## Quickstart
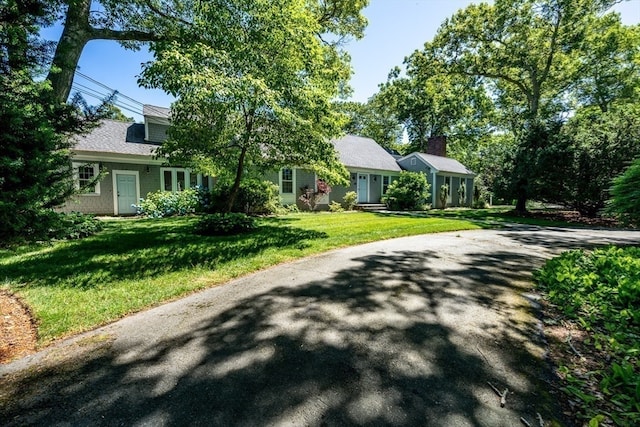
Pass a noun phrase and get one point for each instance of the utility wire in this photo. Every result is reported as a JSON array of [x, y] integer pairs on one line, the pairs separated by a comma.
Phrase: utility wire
[[118, 95]]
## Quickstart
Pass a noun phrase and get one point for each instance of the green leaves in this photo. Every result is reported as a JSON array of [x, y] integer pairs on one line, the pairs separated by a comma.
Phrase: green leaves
[[256, 95], [625, 195], [601, 291]]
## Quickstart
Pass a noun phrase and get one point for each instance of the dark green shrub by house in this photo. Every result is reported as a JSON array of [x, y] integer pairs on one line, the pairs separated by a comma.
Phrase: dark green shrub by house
[[254, 197], [224, 224], [409, 192]]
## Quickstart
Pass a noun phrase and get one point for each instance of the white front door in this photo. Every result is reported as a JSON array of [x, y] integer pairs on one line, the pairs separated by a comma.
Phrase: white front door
[[126, 193], [363, 188]]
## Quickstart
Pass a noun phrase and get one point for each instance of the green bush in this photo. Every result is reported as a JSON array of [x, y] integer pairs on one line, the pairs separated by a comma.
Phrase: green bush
[[159, 204], [77, 226], [224, 224], [254, 197], [600, 290], [409, 192], [625, 195], [350, 200], [335, 207], [48, 225]]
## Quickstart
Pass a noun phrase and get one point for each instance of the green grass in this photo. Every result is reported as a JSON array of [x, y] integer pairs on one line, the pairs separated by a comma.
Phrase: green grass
[[74, 286]]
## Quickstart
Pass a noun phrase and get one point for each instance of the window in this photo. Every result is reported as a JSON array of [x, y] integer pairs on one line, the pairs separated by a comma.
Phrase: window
[[286, 181], [385, 184], [413, 161], [167, 180], [447, 180], [85, 173]]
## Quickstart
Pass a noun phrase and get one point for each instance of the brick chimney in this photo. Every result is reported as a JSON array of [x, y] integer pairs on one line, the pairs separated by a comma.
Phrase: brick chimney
[[437, 145]]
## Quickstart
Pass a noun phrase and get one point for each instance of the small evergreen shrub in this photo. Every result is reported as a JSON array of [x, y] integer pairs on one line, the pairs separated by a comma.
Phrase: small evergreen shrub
[[159, 204], [350, 200], [77, 225], [254, 197], [46, 224], [409, 192], [224, 224]]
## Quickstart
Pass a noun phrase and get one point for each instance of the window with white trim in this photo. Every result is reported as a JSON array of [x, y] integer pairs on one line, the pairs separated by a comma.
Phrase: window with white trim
[[175, 179], [286, 181], [385, 183], [179, 179], [84, 174]]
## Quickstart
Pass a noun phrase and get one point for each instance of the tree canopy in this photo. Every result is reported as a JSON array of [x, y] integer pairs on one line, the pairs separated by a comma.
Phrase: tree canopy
[[256, 95], [516, 70]]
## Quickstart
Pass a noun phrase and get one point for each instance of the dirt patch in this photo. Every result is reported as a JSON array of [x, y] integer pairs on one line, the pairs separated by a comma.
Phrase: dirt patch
[[18, 334], [571, 351]]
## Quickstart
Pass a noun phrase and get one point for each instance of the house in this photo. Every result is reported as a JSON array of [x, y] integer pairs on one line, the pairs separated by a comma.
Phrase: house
[[371, 169], [126, 154], [439, 170]]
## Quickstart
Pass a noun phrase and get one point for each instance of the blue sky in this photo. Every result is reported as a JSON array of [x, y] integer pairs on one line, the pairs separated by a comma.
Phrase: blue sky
[[396, 28]]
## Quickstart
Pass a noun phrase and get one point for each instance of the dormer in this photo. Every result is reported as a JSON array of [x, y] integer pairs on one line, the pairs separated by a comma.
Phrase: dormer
[[156, 123]]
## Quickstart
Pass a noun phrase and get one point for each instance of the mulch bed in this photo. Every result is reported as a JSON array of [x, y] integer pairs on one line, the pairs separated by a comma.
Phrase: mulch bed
[[18, 334]]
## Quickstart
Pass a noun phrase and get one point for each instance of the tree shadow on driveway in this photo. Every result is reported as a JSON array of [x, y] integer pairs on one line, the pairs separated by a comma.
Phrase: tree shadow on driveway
[[402, 338], [396, 337]]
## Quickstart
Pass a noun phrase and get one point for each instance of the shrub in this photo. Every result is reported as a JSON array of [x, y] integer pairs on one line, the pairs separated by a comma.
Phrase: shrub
[[224, 224], [625, 195], [77, 226], [50, 225], [600, 290], [409, 192], [311, 197], [335, 207], [254, 197], [444, 195], [159, 204], [350, 200]]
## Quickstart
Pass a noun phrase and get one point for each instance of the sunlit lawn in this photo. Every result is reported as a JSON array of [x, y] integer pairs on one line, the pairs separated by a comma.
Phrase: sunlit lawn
[[133, 264]]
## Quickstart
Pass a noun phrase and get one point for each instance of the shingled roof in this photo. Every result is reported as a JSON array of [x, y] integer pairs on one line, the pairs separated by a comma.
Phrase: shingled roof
[[443, 164], [149, 110], [360, 152], [116, 137]]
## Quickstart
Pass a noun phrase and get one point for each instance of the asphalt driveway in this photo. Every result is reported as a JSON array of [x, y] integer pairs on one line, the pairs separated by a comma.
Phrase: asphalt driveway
[[400, 332]]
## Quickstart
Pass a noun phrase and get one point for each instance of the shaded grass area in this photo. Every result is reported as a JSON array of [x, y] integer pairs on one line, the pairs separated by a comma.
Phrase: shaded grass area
[[492, 217], [133, 264]]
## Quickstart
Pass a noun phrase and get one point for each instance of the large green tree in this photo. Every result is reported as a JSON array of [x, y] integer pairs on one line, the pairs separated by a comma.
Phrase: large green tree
[[528, 53], [35, 136], [134, 21], [374, 119], [255, 96]]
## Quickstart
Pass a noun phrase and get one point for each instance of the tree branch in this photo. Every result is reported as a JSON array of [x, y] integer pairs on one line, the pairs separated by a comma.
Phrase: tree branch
[[124, 35]]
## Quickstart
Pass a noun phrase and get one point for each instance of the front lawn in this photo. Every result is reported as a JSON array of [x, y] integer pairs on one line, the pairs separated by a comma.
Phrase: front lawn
[[132, 264]]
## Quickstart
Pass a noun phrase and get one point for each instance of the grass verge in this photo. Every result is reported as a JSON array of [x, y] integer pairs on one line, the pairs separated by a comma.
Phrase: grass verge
[[74, 286], [596, 294]]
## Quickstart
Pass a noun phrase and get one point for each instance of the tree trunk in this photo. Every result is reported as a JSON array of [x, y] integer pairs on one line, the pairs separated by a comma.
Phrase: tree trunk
[[521, 196], [236, 184], [76, 34]]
